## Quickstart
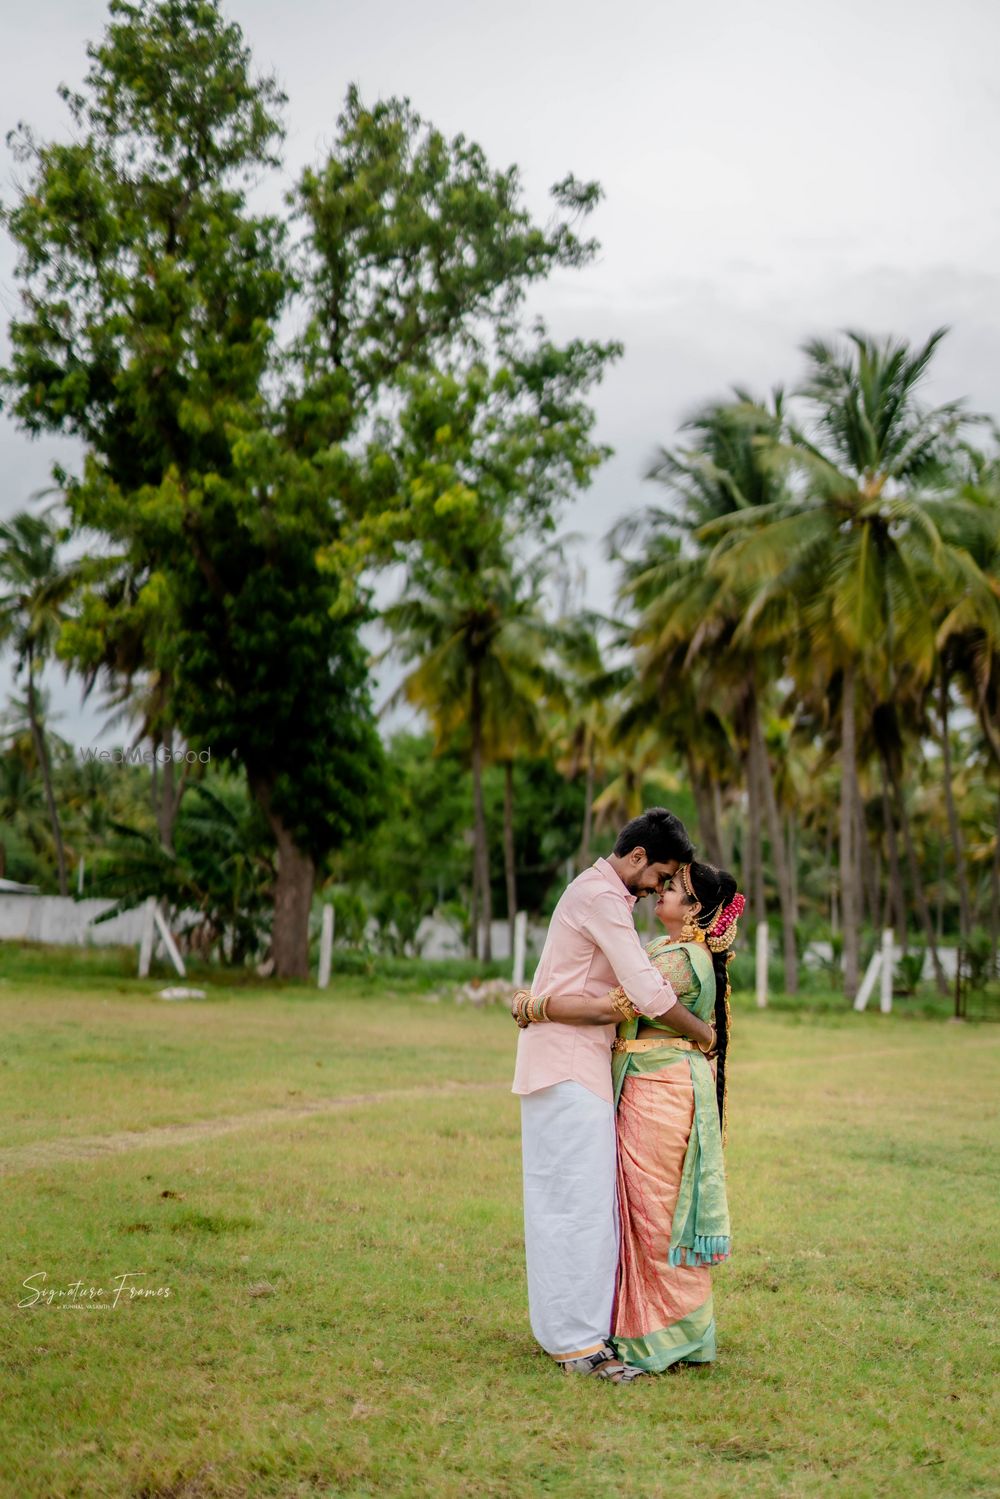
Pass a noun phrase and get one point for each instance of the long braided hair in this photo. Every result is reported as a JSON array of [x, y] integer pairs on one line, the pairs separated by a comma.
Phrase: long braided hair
[[715, 890]]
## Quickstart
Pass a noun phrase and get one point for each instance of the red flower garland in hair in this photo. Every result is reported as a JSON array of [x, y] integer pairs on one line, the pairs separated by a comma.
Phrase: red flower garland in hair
[[732, 913]]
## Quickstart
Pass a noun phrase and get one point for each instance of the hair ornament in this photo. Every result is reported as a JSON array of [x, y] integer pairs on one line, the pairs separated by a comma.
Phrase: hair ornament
[[722, 933]]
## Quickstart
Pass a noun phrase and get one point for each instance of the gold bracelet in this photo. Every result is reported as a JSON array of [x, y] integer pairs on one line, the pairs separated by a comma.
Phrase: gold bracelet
[[711, 1045], [623, 1006]]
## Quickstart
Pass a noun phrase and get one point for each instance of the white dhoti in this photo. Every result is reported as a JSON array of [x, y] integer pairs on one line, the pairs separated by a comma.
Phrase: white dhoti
[[570, 1217]]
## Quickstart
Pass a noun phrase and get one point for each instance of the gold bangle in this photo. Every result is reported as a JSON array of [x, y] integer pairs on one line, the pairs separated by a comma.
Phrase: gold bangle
[[622, 1005], [711, 1045]]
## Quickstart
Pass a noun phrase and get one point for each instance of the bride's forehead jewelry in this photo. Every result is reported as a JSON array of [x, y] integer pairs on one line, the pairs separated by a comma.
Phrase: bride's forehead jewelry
[[684, 874]]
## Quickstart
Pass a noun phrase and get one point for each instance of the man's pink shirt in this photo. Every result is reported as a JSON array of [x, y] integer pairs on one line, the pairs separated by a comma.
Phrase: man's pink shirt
[[591, 946]]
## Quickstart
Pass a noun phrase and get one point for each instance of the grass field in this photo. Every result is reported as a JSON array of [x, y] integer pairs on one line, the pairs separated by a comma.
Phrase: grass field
[[329, 1188]]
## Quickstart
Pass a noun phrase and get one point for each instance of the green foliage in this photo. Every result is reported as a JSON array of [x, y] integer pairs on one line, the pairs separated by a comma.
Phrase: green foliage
[[979, 959], [221, 868], [548, 812], [909, 968], [417, 860]]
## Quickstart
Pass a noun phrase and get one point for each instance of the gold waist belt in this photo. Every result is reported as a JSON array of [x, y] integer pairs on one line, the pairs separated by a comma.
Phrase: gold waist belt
[[652, 1043]]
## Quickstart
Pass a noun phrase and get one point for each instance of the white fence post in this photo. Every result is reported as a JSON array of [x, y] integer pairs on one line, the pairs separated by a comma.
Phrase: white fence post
[[888, 964], [146, 940], [153, 922], [168, 941], [868, 982], [520, 948], [325, 947], [762, 953]]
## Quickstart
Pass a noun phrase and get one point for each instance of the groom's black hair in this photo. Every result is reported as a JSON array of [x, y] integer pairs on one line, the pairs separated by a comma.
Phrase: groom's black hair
[[660, 833]]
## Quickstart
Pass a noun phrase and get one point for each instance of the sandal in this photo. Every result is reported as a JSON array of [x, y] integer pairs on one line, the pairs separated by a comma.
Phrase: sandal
[[605, 1364]]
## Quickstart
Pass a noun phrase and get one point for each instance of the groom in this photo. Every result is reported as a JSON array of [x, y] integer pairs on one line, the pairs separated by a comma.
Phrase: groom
[[563, 1075]]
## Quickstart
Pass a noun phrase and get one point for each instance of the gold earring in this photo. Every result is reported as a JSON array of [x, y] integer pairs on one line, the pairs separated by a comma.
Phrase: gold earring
[[691, 931]]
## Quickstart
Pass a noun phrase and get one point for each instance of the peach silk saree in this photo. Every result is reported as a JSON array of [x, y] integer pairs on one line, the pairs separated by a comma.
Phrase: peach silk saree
[[671, 1183]]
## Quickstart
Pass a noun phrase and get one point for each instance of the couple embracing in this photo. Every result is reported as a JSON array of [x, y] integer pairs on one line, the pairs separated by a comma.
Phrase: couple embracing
[[621, 1225]]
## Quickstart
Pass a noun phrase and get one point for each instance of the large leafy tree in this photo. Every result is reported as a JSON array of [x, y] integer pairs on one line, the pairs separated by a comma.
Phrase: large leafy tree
[[243, 479]]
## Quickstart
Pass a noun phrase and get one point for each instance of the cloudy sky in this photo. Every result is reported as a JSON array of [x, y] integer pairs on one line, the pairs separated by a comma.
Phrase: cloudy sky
[[771, 171]]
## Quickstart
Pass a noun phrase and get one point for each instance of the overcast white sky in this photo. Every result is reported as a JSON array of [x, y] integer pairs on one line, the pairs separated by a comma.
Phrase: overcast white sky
[[771, 171]]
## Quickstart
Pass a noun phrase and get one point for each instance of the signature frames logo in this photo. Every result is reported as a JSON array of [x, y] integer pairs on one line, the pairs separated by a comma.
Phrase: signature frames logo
[[78, 1294]]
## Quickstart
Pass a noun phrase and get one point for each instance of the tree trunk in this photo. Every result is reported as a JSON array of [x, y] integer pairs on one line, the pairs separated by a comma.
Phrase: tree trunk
[[167, 789], [995, 900], [792, 856], [897, 899], [480, 845], [916, 878], [42, 751], [167, 809], [725, 832], [173, 790], [868, 874], [474, 911], [766, 783], [829, 882], [509, 869], [848, 853], [954, 826], [705, 806], [293, 892], [751, 843], [587, 832]]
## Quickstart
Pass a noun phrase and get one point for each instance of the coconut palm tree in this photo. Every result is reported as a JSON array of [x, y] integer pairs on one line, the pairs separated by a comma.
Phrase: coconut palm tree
[[968, 640], [688, 633], [483, 650], [856, 539], [24, 818], [35, 589], [583, 725]]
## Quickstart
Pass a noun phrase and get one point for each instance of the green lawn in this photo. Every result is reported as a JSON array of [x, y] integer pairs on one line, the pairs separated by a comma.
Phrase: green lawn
[[329, 1187]]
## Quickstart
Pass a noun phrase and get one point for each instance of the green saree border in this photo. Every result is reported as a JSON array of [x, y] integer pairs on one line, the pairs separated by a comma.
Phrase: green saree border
[[691, 1337]]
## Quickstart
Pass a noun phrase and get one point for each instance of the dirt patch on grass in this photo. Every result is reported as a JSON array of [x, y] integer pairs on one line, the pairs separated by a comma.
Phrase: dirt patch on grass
[[17, 1158]]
